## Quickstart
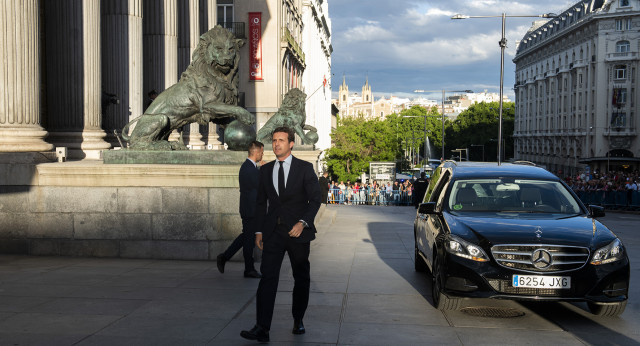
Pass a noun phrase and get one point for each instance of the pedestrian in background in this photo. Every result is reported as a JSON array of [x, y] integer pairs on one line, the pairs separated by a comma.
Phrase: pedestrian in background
[[248, 179], [323, 181], [419, 188]]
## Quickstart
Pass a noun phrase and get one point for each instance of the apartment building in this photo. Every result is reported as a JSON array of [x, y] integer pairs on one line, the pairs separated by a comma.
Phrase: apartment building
[[316, 80], [576, 89]]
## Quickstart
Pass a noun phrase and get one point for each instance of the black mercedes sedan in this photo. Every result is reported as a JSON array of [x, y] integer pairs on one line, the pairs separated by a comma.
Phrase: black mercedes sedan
[[516, 231]]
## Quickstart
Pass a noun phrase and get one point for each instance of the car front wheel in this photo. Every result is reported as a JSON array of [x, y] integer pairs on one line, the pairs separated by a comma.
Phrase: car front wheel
[[440, 300], [607, 309]]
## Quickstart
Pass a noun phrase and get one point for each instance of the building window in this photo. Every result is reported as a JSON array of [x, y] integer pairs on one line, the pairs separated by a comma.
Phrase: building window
[[618, 119], [225, 13], [623, 24], [621, 72], [624, 3], [619, 97], [623, 47]]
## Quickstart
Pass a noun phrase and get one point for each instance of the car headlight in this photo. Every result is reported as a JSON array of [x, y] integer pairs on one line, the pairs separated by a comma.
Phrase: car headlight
[[464, 249], [607, 254]]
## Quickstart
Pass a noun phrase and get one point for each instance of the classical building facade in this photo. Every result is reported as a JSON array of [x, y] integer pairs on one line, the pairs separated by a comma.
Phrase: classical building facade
[[577, 89], [350, 105], [316, 80], [75, 71]]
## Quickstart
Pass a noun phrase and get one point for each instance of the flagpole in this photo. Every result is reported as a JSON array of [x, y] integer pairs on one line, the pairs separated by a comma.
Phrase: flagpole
[[324, 84]]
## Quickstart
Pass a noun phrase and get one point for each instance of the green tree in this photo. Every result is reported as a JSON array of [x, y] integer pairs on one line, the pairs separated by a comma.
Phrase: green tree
[[476, 128], [410, 128], [356, 142]]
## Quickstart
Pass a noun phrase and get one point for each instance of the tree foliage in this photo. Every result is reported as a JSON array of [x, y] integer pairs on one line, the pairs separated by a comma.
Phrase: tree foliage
[[477, 128], [358, 141]]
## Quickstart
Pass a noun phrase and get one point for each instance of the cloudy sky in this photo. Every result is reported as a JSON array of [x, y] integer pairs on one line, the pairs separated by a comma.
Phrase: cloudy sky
[[403, 45]]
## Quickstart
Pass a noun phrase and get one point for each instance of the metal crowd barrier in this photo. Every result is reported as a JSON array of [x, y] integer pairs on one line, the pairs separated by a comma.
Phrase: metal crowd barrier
[[367, 197], [613, 200]]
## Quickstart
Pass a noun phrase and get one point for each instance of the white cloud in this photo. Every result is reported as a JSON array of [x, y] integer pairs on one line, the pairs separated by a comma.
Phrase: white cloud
[[415, 17], [367, 33], [390, 41]]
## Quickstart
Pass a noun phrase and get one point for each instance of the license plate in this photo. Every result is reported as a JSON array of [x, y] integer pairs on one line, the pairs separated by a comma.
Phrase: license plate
[[539, 281]]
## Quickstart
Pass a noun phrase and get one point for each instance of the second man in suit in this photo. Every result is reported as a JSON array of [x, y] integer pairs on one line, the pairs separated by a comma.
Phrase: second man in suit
[[288, 201], [248, 180]]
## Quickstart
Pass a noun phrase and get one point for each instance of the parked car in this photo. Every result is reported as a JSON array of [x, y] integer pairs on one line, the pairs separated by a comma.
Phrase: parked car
[[516, 231]]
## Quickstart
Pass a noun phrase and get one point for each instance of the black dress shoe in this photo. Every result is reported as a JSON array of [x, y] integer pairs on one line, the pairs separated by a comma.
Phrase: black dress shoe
[[298, 327], [256, 333], [220, 261], [252, 274]]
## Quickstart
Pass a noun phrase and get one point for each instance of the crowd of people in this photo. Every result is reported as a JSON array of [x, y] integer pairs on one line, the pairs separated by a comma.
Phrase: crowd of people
[[374, 193], [612, 181], [399, 192], [615, 189]]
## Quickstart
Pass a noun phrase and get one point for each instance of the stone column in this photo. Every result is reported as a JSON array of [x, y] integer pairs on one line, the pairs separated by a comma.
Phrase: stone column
[[209, 19], [160, 45], [188, 36], [20, 118], [122, 62], [73, 79]]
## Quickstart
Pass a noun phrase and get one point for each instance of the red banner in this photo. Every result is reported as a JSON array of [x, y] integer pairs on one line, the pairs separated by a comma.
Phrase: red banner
[[255, 45]]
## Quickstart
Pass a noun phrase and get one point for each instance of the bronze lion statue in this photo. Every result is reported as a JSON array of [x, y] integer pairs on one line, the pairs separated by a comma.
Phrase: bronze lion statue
[[291, 114], [207, 92]]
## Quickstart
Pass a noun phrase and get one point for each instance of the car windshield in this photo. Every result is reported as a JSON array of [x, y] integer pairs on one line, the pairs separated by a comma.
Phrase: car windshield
[[511, 196]]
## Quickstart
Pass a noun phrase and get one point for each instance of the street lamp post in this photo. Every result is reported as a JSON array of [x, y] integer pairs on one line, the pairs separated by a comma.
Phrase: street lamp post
[[426, 155], [503, 45], [443, 115]]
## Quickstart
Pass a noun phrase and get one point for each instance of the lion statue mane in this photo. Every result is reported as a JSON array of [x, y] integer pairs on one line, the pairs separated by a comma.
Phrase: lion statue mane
[[291, 114], [207, 92]]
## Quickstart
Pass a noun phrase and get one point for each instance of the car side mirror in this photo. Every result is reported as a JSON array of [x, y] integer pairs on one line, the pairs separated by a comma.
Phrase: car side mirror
[[427, 208], [596, 211]]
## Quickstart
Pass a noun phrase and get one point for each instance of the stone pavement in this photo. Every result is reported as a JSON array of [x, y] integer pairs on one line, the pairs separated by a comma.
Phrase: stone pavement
[[364, 292]]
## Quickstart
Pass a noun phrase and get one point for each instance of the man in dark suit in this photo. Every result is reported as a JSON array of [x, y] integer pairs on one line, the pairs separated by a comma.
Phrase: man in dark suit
[[248, 179], [324, 187], [288, 201], [419, 188]]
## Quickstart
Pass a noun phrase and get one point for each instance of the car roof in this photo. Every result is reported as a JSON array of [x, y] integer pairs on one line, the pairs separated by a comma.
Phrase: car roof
[[467, 169]]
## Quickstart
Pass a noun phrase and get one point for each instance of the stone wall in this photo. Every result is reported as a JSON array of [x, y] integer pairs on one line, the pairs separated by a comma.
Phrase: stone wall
[[134, 211], [88, 208]]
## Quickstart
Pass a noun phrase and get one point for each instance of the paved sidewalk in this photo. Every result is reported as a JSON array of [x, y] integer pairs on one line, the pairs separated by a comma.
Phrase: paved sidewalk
[[364, 292]]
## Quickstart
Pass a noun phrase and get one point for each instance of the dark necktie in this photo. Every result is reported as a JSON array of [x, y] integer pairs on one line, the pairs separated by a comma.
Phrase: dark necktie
[[281, 179]]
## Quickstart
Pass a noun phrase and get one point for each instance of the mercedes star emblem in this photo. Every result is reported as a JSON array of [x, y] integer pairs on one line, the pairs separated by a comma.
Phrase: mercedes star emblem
[[539, 232], [541, 258]]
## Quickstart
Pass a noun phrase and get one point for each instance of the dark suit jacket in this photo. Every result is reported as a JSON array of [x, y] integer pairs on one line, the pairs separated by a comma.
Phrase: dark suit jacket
[[300, 200], [249, 180], [324, 184]]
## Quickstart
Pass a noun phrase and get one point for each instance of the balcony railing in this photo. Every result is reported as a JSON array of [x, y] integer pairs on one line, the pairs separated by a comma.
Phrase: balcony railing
[[236, 28], [622, 56]]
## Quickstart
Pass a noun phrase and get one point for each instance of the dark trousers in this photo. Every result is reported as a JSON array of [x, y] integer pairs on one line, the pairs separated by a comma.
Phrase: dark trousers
[[272, 256], [246, 241], [323, 196]]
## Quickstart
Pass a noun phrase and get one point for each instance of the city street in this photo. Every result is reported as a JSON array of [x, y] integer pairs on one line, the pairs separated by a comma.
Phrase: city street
[[364, 292]]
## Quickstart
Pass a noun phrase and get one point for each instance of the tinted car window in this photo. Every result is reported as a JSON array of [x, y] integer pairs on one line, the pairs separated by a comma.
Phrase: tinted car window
[[511, 195], [437, 188], [432, 184]]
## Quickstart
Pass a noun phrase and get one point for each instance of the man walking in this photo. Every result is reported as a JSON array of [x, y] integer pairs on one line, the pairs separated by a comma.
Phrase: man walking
[[419, 189], [288, 201], [248, 178], [324, 187]]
